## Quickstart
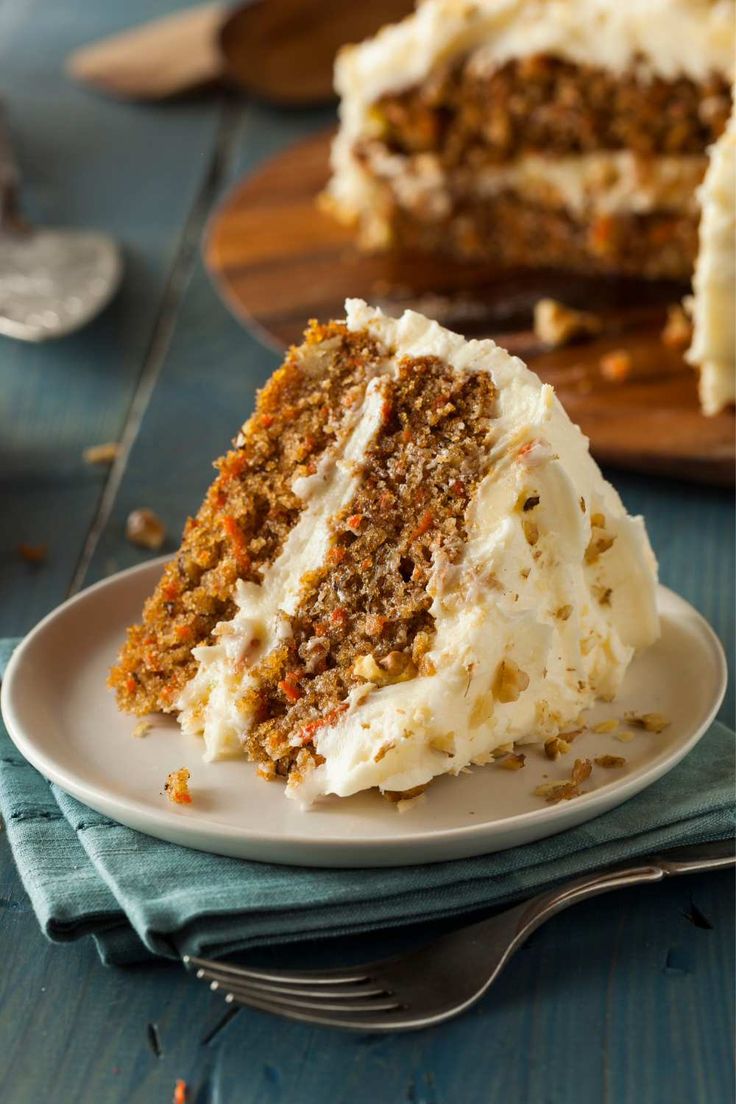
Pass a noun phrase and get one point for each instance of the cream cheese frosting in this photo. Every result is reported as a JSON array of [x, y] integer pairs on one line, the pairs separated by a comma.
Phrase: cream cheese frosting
[[609, 182], [540, 615], [671, 38], [713, 305]]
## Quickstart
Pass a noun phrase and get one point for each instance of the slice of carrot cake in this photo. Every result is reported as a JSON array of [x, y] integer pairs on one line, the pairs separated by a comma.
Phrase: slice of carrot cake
[[565, 133], [407, 561]]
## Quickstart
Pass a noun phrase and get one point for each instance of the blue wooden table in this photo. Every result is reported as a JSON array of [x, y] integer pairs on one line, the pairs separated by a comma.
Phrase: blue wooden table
[[625, 999]]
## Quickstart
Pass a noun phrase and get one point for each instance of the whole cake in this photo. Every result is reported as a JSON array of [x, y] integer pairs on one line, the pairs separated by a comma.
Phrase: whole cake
[[571, 134], [407, 562]]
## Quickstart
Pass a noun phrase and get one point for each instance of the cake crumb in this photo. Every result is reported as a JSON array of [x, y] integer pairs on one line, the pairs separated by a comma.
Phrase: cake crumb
[[556, 325], [678, 329], [624, 737], [180, 1092], [33, 553], [616, 366], [652, 722], [102, 454], [609, 760], [145, 529], [142, 729], [176, 787]]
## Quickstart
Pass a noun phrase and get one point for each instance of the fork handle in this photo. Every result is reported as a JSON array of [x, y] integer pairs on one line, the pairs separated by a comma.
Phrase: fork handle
[[678, 860]]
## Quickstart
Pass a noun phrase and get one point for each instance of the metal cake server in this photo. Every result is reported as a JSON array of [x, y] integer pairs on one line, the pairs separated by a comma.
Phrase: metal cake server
[[51, 281]]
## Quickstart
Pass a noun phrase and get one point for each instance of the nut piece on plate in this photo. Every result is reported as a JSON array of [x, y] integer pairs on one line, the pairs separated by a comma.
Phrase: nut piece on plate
[[145, 529], [176, 787], [556, 325]]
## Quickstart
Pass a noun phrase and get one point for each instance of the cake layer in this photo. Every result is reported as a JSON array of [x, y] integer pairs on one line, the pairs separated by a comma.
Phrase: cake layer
[[542, 104], [512, 231], [460, 577], [248, 512]]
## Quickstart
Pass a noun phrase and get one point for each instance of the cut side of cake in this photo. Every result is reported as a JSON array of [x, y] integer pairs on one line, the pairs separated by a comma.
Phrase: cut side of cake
[[562, 133], [408, 561]]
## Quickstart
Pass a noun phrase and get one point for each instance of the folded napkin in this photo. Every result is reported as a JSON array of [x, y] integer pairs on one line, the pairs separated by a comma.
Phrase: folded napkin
[[138, 896]]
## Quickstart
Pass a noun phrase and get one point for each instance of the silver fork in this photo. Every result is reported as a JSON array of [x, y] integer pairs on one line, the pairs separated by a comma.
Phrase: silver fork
[[445, 977]]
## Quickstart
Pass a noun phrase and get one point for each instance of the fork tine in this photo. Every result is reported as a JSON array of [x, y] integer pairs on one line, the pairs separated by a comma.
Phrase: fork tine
[[385, 1021], [382, 1003], [219, 980], [280, 977]]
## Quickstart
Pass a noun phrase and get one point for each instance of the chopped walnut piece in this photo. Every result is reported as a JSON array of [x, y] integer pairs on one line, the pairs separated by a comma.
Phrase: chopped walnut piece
[[398, 666], [652, 722], [530, 503], [365, 667], [603, 595], [383, 751], [145, 529], [102, 454], [33, 553], [581, 769], [512, 762], [176, 787], [404, 795], [555, 747], [509, 681], [616, 366], [553, 792], [678, 329], [531, 532], [610, 760], [600, 540], [556, 325], [142, 729]]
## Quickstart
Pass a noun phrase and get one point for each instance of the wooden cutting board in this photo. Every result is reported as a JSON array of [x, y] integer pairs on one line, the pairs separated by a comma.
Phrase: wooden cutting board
[[279, 261]]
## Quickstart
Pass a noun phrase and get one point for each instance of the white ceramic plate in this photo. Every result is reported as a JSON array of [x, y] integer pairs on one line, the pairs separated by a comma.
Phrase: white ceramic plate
[[64, 720]]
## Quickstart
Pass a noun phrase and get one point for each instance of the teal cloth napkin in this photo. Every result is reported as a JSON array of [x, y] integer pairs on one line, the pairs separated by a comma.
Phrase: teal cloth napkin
[[136, 896]]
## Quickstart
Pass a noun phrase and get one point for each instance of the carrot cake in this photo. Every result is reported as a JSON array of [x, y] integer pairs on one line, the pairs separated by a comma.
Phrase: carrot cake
[[570, 134], [407, 562]]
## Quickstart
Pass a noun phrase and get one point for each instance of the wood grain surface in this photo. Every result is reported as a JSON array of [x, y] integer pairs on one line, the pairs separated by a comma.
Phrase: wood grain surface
[[625, 1005], [279, 261]]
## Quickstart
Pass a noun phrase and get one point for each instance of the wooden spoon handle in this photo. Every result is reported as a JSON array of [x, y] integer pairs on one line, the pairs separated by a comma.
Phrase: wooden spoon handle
[[155, 61]]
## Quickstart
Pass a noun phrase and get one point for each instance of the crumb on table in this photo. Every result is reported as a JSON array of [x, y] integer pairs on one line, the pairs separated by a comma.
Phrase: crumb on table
[[102, 454], [678, 329], [616, 366], [33, 553], [180, 1092], [145, 529]]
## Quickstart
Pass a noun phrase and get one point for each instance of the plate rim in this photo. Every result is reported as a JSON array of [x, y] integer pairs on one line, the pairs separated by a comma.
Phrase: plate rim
[[547, 816]]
